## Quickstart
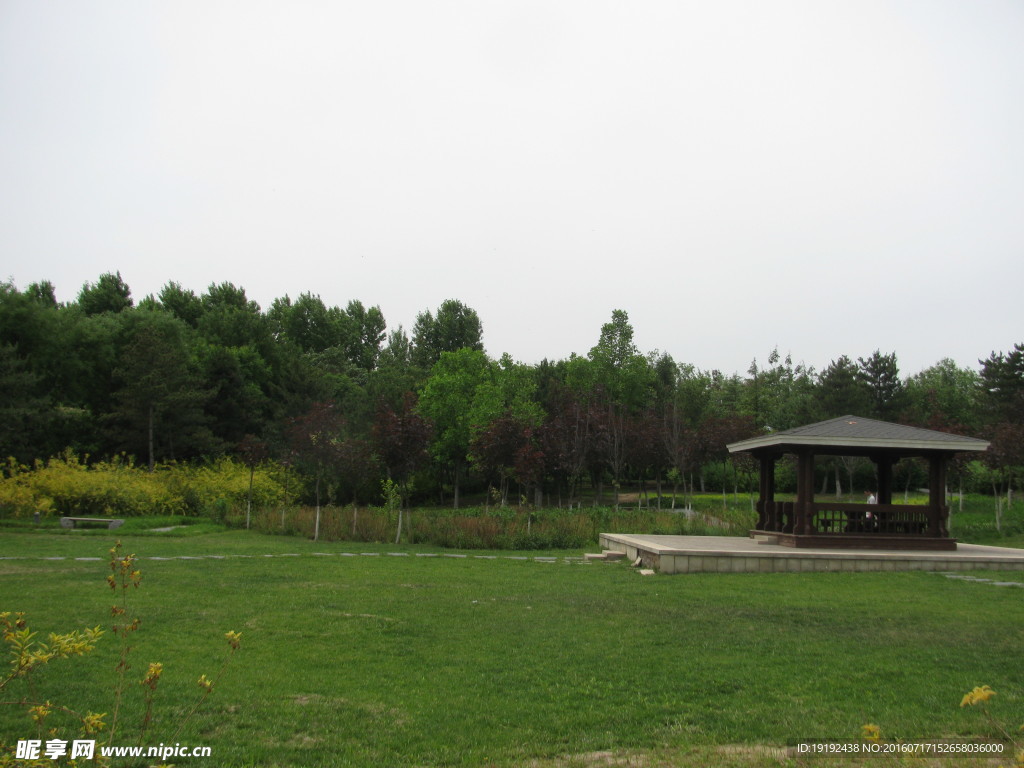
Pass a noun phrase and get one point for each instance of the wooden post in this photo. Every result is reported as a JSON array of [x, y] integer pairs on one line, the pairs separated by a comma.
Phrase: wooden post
[[804, 492], [937, 495], [884, 491], [766, 502]]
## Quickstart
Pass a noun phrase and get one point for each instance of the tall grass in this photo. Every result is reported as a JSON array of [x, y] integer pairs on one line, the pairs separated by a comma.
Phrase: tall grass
[[494, 527]]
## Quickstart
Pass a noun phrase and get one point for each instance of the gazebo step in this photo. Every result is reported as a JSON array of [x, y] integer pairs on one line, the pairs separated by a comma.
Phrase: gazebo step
[[608, 556], [765, 538]]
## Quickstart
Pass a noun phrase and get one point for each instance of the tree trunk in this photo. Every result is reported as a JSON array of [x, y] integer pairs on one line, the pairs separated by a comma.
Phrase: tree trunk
[[284, 507], [999, 505], [455, 489], [248, 501], [151, 458], [398, 535], [316, 525]]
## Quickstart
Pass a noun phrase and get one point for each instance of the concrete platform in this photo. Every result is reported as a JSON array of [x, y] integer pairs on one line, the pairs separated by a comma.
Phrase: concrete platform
[[741, 554]]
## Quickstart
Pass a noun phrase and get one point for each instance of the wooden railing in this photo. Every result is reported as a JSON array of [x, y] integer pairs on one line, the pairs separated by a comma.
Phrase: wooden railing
[[835, 518]]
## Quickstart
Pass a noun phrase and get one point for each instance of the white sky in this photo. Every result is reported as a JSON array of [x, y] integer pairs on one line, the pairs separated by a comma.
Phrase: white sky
[[825, 177]]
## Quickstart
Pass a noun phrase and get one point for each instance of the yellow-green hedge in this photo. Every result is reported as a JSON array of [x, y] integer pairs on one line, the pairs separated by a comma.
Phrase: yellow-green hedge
[[69, 485]]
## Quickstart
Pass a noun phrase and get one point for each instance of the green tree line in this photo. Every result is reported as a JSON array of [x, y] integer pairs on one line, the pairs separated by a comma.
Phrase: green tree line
[[330, 391]]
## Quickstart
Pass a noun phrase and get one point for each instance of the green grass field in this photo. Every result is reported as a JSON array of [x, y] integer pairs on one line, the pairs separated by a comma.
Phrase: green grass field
[[380, 660]]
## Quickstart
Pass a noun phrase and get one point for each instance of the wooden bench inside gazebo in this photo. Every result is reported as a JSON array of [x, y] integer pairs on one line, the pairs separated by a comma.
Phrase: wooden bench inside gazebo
[[804, 522]]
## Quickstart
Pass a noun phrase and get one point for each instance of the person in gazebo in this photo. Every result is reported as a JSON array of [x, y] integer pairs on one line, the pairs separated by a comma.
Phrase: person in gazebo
[[870, 519]]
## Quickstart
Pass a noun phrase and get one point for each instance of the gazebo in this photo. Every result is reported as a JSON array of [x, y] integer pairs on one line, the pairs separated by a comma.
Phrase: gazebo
[[882, 525]]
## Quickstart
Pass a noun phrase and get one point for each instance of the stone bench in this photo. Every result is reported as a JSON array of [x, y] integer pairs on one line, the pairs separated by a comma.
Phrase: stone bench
[[71, 522]]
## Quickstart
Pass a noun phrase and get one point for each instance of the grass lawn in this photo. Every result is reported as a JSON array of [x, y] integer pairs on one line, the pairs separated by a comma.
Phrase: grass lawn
[[464, 661]]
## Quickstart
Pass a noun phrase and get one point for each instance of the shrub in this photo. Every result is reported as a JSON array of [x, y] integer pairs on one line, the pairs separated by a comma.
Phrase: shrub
[[70, 485]]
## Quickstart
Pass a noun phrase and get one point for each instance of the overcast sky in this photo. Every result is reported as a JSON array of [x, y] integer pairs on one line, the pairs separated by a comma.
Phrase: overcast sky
[[823, 177]]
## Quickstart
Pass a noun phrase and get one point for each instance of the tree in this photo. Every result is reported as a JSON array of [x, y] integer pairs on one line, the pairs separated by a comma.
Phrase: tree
[[82, 370], [502, 447], [230, 319], [234, 379], [182, 303], [314, 438], [567, 436], [682, 413], [455, 327], [780, 396], [645, 450], [43, 293], [359, 468], [448, 401], [157, 393], [625, 382], [109, 294], [1002, 386], [944, 397], [717, 431], [367, 334], [29, 322], [253, 452], [401, 438], [309, 324], [842, 391], [881, 377], [23, 413], [394, 374]]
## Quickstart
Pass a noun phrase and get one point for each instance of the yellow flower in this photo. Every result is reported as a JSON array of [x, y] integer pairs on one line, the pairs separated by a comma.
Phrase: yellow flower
[[871, 732], [234, 639], [152, 675], [39, 713], [93, 722], [978, 695], [205, 683]]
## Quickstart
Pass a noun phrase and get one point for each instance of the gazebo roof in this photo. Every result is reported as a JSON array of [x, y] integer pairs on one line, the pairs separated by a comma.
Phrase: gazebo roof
[[860, 435]]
